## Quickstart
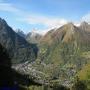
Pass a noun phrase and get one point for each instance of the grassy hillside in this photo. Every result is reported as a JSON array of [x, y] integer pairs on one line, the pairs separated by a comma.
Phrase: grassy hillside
[[63, 53], [84, 75]]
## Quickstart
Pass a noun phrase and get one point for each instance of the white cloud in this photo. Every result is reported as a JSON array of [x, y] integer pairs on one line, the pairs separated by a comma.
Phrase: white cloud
[[42, 32], [86, 18], [77, 23], [48, 22], [8, 7]]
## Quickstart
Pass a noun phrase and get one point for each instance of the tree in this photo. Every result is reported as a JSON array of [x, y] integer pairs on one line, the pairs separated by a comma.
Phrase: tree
[[79, 85]]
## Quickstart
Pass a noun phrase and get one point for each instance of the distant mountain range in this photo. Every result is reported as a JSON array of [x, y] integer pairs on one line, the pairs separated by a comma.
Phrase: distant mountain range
[[33, 37]]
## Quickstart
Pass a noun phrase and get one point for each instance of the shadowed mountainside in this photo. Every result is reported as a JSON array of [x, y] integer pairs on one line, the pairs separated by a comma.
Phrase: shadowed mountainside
[[6, 75], [18, 48]]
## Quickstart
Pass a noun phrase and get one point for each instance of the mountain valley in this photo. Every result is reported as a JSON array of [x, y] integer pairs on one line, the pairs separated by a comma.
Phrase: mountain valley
[[59, 59]]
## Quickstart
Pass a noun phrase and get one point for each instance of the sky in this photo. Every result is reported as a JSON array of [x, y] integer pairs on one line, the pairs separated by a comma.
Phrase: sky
[[43, 15]]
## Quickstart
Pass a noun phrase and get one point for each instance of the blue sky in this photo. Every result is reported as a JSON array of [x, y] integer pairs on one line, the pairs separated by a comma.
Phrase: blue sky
[[43, 14]]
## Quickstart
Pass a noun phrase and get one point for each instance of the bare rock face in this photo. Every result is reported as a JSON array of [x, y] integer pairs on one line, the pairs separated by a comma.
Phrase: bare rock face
[[33, 37], [85, 26], [21, 33]]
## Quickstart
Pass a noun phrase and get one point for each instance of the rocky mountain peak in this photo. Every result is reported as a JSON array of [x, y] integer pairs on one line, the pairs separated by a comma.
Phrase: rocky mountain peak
[[20, 32], [85, 26], [69, 25], [84, 23], [2, 22]]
